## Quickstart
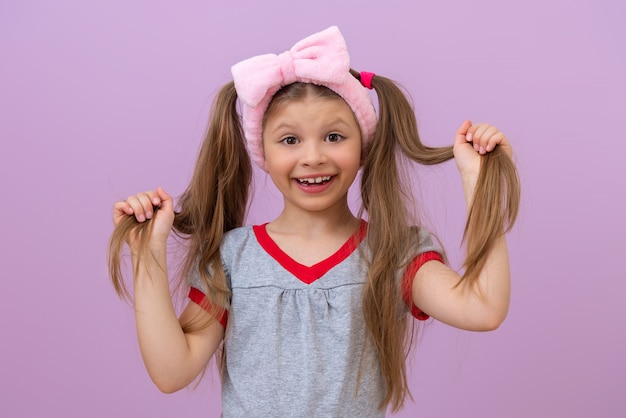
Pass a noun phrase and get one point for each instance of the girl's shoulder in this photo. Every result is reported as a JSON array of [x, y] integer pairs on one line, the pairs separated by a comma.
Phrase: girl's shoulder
[[423, 241], [237, 233], [239, 242], [237, 236]]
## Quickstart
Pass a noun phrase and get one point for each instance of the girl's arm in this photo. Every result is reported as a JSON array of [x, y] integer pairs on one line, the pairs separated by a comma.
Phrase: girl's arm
[[483, 306], [173, 358]]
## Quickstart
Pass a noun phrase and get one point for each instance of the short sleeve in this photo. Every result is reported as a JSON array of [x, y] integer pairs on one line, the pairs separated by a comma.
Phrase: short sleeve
[[427, 250], [198, 295], [194, 280]]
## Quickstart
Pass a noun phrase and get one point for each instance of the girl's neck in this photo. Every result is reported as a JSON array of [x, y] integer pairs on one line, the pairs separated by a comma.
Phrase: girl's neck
[[314, 224], [311, 237]]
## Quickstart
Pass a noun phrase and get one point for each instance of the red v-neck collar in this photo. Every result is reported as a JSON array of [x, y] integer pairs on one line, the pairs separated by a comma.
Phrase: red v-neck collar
[[308, 274]]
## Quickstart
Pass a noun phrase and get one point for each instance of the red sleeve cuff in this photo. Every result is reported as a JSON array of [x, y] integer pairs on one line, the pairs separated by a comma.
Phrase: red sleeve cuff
[[407, 281], [200, 298]]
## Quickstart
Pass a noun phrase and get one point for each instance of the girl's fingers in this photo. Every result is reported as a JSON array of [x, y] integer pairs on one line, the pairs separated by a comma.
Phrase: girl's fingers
[[462, 135], [122, 208], [485, 137], [494, 140], [142, 205], [475, 140], [478, 136], [138, 210], [162, 199], [120, 211], [154, 197]]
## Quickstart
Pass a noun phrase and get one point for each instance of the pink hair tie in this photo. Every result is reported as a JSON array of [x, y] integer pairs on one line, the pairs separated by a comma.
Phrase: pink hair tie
[[366, 79]]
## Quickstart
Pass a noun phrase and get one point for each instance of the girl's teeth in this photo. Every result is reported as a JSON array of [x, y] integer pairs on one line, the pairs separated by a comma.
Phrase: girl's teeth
[[315, 180]]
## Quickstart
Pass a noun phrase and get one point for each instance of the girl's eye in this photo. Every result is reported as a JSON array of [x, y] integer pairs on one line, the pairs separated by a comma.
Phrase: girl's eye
[[290, 140], [334, 138]]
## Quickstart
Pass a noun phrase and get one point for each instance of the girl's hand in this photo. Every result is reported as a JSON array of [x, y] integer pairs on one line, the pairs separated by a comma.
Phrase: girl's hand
[[472, 141], [147, 205]]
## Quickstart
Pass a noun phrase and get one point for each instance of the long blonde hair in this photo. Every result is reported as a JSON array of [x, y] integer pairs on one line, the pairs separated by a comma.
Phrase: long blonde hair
[[217, 197], [214, 203], [493, 211]]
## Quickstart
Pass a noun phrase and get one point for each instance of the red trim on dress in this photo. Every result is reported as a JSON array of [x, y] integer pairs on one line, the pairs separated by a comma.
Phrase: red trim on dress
[[197, 296], [407, 281], [309, 274]]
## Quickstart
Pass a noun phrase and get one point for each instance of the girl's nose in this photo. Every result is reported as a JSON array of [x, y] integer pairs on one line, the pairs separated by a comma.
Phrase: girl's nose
[[313, 153]]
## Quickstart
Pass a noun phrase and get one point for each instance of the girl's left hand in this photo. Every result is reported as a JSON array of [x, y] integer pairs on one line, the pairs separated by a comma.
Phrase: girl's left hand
[[472, 141]]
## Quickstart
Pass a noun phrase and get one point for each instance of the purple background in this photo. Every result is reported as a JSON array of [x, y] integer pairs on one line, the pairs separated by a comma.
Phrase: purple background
[[99, 100]]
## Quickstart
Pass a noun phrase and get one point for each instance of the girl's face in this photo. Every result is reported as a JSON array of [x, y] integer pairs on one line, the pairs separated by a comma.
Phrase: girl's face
[[312, 152]]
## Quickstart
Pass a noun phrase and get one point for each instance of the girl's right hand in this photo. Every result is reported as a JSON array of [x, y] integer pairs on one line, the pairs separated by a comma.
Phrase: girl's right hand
[[147, 205]]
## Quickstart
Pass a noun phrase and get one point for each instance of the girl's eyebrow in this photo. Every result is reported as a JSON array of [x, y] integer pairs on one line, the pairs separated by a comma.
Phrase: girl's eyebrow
[[284, 125], [292, 126], [338, 120]]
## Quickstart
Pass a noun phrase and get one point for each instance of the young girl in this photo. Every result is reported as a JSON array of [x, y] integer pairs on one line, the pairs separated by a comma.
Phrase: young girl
[[311, 308]]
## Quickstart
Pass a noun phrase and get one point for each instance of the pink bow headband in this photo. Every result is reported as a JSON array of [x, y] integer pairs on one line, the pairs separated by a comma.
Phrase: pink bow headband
[[321, 59]]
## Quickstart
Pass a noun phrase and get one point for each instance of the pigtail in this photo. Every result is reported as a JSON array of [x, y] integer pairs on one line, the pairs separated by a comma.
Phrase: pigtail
[[492, 212], [383, 197], [215, 202], [496, 197]]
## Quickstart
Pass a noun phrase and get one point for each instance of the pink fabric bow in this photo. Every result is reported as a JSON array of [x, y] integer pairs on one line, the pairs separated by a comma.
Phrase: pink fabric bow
[[321, 59]]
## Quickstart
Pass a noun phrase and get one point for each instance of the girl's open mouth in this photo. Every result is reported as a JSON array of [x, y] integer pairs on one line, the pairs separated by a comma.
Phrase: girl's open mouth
[[312, 181]]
